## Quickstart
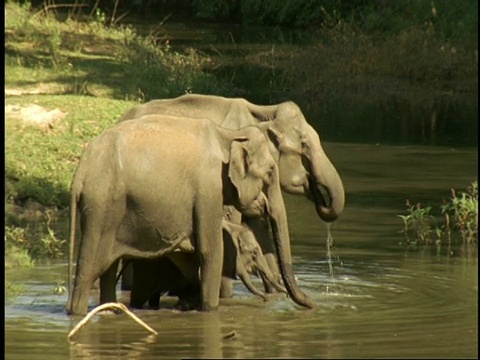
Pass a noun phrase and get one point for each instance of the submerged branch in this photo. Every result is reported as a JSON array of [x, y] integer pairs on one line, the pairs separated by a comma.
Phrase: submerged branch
[[106, 306]]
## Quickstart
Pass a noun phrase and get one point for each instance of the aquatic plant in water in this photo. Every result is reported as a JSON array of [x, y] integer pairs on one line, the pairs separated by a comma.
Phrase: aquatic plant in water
[[460, 214], [418, 223]]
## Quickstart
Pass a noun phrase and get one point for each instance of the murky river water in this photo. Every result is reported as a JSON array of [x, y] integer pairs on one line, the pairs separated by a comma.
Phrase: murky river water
[[382, 300]]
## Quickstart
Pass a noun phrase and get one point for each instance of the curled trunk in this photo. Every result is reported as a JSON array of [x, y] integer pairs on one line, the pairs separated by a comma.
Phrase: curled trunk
[[324, 183]]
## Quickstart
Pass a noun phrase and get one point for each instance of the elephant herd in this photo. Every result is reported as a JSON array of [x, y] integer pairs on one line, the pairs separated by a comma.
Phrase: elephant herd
[[187, 194]]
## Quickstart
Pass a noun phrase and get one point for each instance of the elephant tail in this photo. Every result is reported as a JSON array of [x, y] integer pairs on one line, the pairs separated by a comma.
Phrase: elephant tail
[[74, 197]]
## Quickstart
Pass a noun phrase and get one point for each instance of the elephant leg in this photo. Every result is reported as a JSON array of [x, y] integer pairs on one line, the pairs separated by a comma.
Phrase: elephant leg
[[226, 288], [91, 264], [189, 297], [186, 285], [209, 243], [154, 300], [156, 276], [81, 293], [144, 272], [127, 276], [107, 284]]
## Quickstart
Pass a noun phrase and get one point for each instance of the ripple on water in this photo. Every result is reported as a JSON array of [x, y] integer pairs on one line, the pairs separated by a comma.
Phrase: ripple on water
[[378, 306]]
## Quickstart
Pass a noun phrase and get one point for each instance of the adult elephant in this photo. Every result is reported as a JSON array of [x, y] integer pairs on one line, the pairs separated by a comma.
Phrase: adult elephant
[[177, 273], [142, 187], [303, 165]]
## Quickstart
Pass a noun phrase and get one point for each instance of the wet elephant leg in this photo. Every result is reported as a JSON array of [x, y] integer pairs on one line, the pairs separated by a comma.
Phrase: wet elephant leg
[[143, 281], [107, 284], [229, 270], [127, 276], [167, 278], [226, 288], [153, 277], [154, 301]]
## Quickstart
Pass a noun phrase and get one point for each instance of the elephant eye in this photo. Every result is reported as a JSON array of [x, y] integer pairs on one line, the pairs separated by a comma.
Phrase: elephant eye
[[268, 175]]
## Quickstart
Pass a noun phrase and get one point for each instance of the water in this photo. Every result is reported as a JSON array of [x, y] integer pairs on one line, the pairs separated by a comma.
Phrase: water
[[375, 298]]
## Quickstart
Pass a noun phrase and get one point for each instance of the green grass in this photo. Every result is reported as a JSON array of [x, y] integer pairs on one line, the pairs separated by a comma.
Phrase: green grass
[[41, 163]]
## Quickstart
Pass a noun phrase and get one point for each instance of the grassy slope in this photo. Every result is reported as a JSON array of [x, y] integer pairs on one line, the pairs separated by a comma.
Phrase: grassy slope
[[80, 77]]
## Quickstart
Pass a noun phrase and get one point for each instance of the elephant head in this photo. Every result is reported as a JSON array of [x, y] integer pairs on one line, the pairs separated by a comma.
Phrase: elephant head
[[244, 256], [303, 165], [254, 181], [250, 169]]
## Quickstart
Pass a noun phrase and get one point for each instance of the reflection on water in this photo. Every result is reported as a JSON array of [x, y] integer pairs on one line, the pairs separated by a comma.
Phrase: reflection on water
[[374, 297], [396, 118], [388, 305]]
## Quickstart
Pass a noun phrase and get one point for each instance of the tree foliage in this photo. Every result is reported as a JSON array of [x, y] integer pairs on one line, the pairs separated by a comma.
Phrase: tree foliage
[[452, 19]]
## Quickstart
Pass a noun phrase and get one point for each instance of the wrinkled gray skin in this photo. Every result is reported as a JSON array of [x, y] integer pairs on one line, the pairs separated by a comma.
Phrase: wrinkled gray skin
[[303, 165], [142, 187], [177, 273]]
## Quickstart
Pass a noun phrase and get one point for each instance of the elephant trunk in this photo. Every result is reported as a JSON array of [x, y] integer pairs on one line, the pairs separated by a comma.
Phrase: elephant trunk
[[278, 221], [324, 178], [267, 276], [243, 275]]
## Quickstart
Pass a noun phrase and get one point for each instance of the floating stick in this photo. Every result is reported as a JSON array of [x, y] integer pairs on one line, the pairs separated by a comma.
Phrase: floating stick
[[106, 306]]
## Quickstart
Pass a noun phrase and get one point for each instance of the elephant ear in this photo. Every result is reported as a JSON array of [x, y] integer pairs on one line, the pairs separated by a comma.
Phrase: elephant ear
[[237, 171], [274, 135], [238, 161], [248, 188]]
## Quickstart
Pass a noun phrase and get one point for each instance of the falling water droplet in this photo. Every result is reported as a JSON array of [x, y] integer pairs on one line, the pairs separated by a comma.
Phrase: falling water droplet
[[329, 249]]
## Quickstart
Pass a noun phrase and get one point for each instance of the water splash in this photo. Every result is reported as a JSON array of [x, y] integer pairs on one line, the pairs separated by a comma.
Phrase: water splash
[[329, 244]]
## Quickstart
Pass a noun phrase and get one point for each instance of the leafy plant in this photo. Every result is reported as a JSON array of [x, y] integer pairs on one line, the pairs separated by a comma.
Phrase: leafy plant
[[51, 244], [22, 245], [461, 213], [418, 223], [16, 253], [12, 289]]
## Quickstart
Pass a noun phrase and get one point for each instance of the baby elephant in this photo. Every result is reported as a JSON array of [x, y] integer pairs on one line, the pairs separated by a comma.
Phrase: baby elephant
[[178, 273]]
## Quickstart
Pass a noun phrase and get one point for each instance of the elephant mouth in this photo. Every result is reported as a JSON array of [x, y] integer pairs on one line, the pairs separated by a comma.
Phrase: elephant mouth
[[295, 189]]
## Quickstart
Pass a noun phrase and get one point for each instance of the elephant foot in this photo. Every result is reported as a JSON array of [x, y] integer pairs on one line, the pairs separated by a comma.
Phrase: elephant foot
[[136, 305], [154, 305], [188, 304], [154, 301]]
